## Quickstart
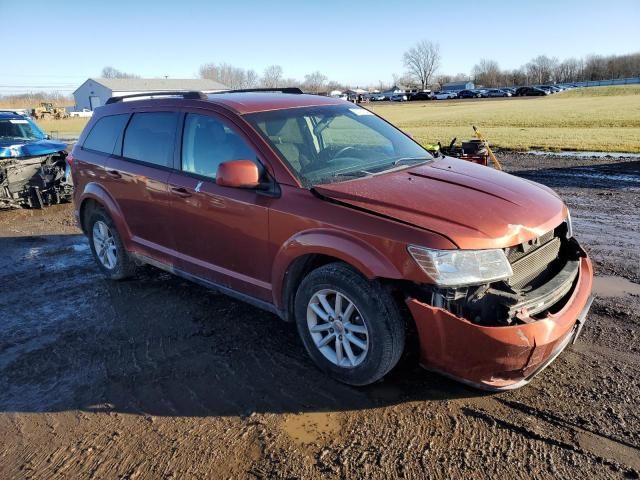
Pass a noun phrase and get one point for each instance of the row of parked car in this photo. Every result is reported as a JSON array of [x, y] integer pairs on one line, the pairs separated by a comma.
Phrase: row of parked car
[[528, 91]]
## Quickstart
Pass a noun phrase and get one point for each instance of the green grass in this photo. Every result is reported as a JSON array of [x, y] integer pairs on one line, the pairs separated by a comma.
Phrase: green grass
[[66, 127], [594, 119], [617, 90]]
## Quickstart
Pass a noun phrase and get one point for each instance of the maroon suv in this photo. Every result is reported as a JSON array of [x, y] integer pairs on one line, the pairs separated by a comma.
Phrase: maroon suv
[[323, 213]]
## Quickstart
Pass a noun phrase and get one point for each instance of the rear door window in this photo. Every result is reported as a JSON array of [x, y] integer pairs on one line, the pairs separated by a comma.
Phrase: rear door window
[[105, 133], [150, 138]]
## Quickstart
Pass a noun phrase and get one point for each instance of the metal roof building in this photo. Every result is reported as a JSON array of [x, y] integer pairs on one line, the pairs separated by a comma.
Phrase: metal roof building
[[96, 91], [458, 86]]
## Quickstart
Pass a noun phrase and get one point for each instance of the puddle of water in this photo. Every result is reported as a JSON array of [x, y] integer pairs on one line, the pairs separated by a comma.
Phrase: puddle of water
[[565, 153], [80, 247], [610, 286], [598, 176], [309, 427], [33, 253]]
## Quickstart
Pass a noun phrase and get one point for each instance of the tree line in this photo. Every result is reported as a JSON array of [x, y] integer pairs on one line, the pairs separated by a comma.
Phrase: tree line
[[422, 62], [271, 77], [543, 69]]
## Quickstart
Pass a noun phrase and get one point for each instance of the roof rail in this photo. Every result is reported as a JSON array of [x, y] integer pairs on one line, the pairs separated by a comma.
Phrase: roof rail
[[292, 90], [186, 94]]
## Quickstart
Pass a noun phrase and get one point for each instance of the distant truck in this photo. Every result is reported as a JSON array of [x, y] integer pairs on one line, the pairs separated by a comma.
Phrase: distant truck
[[85, 112]]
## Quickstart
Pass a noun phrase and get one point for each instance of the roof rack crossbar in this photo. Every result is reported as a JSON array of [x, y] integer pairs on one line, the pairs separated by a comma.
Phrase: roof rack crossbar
[[292, 90], [187, 94]]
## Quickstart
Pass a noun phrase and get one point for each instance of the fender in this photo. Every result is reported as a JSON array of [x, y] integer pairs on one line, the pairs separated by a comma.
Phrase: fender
[[352, 250], [97, 192]]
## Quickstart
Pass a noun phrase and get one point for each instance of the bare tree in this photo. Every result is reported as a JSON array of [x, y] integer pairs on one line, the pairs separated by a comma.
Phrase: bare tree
[[110, 72], [232, 77], [333, 85], [422, 61], [251, 79], [315, 82], [442, 79], [541, 69], [272, 76], [487, 73]]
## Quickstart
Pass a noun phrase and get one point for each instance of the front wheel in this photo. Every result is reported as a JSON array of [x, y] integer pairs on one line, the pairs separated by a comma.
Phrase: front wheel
[[351, 327]]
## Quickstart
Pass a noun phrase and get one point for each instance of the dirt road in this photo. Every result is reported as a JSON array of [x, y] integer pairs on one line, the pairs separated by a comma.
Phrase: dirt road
[[159, 378]]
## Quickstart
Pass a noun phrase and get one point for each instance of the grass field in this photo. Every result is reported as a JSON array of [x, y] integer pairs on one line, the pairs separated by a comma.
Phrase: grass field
[[67, 127], [601, 119], [592, 119]]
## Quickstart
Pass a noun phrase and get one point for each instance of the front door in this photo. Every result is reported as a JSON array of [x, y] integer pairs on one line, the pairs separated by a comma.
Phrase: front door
[[219, 233]]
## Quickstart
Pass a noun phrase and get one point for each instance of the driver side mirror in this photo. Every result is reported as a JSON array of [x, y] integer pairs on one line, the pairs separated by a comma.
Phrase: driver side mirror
[[238, 174]]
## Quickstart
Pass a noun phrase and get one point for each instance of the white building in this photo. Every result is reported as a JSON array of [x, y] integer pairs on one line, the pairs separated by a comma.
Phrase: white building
[[96, 91]]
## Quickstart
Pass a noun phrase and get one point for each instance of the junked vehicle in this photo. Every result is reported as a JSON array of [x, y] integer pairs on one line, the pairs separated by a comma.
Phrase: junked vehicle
[[497, 92], [468, 94], [328, 216], [33, 170], [444, 95], [531, 92]]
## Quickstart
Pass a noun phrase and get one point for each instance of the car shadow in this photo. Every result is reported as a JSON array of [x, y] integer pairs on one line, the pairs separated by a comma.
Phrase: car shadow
[[159, 345], [616, 175]]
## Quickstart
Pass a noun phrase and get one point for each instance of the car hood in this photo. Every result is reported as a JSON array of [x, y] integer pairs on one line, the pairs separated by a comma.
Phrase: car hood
[[472, 205], [14, 148]]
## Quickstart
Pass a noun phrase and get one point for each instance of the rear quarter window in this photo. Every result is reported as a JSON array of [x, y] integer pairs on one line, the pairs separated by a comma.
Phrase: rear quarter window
[[150, 138], [105, 133]]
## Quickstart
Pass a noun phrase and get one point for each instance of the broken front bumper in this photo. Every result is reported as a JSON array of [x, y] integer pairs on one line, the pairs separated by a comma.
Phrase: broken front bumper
[[499, 358]]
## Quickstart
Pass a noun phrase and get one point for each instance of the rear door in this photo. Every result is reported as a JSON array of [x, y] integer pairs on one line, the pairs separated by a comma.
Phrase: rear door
[[90, 158], [137, 180], [220, 233]]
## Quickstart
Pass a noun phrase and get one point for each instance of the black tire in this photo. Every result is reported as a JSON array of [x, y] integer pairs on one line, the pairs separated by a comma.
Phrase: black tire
[[384, 321], [124, 266]]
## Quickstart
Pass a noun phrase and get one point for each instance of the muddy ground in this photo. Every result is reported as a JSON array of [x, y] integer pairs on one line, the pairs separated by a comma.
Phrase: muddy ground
[[159, 378]]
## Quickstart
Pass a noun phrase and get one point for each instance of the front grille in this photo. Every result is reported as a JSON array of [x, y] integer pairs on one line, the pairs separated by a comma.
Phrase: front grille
[[517, 252], [527, 265]]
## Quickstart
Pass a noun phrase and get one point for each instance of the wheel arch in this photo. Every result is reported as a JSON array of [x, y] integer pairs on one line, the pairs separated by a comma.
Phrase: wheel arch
[[95, 196], [309, 250]]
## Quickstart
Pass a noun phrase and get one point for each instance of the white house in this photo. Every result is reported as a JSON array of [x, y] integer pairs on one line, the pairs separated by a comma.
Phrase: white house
[[96, 91]]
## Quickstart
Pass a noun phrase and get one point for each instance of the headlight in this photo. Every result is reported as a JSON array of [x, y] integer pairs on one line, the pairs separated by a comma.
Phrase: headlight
[[569, 225], [450, 268]]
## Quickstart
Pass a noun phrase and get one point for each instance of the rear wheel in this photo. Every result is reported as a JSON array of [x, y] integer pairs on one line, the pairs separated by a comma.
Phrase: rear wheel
[[107, 248], [351, 328]]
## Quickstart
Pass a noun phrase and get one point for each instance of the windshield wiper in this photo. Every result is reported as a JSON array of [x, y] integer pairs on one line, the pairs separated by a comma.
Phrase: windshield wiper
[[356, 173], [406, 159]]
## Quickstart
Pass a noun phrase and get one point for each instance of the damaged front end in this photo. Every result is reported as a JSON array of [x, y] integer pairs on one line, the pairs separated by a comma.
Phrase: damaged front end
[[34, 181], [33, 167], [498, 335]]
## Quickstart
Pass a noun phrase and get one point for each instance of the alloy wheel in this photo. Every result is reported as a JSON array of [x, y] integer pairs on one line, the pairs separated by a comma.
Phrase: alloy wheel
[[105, 245], [337, 328]]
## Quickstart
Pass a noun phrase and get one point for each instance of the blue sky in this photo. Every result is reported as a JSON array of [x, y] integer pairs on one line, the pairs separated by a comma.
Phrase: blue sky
[[357, 43]]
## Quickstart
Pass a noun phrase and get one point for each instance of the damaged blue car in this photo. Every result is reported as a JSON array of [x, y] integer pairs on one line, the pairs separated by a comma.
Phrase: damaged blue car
[[33, 168]]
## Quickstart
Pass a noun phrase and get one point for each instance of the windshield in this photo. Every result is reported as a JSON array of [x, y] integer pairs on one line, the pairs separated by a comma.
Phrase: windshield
[[20, 129], [334, 143]]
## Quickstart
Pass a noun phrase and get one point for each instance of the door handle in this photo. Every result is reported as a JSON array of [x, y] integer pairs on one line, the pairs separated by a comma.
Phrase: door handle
[[114, 174], [180, 192]]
